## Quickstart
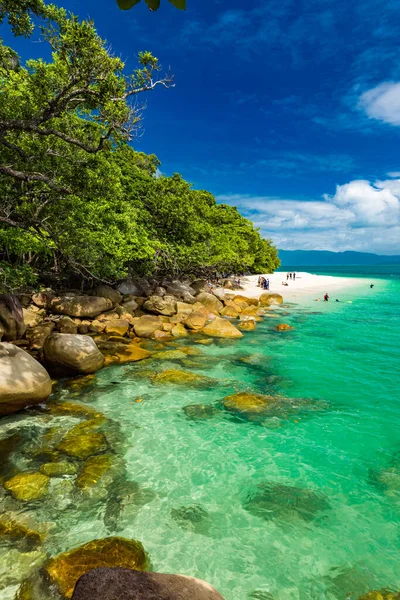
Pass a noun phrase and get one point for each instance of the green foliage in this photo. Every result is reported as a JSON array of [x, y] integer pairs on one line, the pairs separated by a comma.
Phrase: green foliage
[[76, 201]]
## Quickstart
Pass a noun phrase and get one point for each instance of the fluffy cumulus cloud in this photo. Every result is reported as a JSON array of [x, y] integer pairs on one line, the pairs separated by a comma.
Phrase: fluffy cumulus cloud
[[383, 102], [359, 216]]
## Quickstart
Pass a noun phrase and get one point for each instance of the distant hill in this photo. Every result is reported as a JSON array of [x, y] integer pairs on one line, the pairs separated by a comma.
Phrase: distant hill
[[323, 258]]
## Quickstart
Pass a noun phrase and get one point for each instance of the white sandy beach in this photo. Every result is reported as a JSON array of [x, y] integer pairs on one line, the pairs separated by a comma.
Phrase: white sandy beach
[[306, 287]]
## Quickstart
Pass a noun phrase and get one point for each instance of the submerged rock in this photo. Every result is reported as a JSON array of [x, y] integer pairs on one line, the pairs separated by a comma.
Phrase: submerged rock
[[200, 412], [19, 533], [93, 470], [178, 377], [249, 403], [247, 325], [278, 501], [58, 469], [28, 486], [23, 381], [388, 479], [170, 355], [65, 569], [110, 584], [194, 513], [283, 327], [269, 298], [84, 445], [120, 353], [380, 595]]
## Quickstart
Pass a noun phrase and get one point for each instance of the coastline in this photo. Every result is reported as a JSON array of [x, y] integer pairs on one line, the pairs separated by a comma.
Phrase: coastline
[[307, 287]]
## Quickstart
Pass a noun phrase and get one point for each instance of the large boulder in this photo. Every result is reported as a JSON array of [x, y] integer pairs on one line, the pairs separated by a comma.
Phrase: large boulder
[[23, 381], [210, 301], [230, 311], [147, 325], [106, 291], [33, 316], [130, 287], [200, 285], [72, 353], [161, 305], [11, 317], [42, 299], [108, 584], [38, 335], [81, 306], [269, 298], [64, 570], [221, 328], [196, 320]]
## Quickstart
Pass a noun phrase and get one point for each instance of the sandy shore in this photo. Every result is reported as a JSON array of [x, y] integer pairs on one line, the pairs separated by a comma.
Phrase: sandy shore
[[306, 287]]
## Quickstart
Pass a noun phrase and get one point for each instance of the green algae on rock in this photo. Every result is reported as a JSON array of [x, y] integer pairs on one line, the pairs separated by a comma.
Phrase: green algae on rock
[[249, 403], [19, 532], [28, 486], [84, 445], [381, 595], [271, 500], [58, 469], [177, 377], [65, 569], [200, 412]]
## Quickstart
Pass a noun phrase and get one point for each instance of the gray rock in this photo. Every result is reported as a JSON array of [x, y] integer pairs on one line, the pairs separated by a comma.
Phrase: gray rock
[[11, 317], [80, 306], [130, 287], [106, 291], [23, 381], [72, 353], [127, 584]]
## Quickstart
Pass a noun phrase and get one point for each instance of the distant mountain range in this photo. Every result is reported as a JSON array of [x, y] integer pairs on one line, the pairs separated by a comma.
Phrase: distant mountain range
[[323, 258]]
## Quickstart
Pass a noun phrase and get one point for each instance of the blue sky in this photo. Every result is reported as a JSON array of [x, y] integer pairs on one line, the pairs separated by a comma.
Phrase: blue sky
[[288, 109]]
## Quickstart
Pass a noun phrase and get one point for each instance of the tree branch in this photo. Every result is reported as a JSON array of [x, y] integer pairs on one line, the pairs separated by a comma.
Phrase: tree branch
[[34, 177]]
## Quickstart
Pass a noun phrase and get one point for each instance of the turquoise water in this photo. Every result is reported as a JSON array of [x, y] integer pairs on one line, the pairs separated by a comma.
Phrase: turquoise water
[[198, 506]]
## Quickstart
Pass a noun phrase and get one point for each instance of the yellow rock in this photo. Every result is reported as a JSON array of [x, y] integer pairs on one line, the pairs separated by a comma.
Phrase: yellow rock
[[283, 327], [93, 470], [221, 328], [57, 469], [248, 403], [205, 342], [170, 355], [269, 298], [84, 445], [179, 331], [163, 336], [230, 311], [124, 353], [87, 426], [380, 595], [117, 327], [178, 377], [65, 569], [191, 351], [241, 301], [72, 409], [196, 320], [28, 486], [252, 311], [79, 383]]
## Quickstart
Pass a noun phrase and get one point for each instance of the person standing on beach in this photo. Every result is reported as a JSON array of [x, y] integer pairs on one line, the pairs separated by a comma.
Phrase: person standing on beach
[[290, 275], [294, 275], [287, 276]]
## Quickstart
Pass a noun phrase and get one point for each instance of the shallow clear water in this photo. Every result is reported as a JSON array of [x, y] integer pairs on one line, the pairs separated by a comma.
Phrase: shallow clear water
[[344, 359]]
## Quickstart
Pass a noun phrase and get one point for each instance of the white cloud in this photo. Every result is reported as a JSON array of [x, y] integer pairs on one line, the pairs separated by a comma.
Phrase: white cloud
[[359, 216], [383, 102]]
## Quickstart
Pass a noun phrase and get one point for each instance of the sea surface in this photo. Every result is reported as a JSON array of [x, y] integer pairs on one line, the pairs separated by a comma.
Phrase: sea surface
[[300, 504]]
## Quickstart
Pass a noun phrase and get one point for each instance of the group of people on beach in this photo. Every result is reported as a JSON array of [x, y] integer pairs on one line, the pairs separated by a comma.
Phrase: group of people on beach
[[263, 283], [290, 276]]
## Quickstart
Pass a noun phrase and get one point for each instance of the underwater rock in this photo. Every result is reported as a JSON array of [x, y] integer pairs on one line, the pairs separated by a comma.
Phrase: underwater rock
[[261, 595], [283, 327], [249, 403], [93, 470], [192, 514], [388, 479], [80, 383], [65, 569], [191, 351], [169, 355], [58, 469], [23, 381], [28, 486], [84, 445], [200, 412], [380, 595], [120, 353], [204, 342], [109, 584], [19, 532], [178, 377], [271, 500], [72, 409], [221, 328]]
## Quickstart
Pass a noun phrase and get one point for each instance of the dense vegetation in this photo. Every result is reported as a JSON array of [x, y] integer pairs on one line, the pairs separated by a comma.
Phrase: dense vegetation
[[77, 202]]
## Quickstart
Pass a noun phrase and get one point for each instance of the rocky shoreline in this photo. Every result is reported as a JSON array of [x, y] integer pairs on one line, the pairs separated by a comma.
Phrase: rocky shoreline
[[48, 335]]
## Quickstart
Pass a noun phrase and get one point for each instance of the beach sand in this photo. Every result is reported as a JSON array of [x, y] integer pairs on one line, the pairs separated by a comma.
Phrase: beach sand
[[306, 287]]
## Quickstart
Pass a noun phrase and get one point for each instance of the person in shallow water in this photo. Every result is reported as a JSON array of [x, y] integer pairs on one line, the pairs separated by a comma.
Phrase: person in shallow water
[[371, 285], [326, 297], [337, 300]]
